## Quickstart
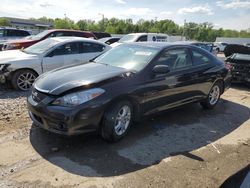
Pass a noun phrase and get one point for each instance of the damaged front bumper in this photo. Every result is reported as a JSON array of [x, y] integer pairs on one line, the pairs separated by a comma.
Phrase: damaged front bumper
[[3, 77], [240, 73], [4, 73]]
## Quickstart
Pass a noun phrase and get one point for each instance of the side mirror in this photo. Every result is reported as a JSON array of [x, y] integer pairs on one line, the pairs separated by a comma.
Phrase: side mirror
[[161, 69]]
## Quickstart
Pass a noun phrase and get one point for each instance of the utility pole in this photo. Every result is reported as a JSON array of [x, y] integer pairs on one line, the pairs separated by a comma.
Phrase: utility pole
[[184, 28], [102, 29]]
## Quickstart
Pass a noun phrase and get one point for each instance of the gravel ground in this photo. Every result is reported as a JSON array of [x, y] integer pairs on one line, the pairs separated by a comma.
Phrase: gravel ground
[[187, 147], [13, 111]]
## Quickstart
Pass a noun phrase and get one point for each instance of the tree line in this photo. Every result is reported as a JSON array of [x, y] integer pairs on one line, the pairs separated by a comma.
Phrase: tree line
[[192, 31]]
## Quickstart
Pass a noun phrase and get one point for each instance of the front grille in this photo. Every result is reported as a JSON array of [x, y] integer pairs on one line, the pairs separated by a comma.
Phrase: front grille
[[38, 96]]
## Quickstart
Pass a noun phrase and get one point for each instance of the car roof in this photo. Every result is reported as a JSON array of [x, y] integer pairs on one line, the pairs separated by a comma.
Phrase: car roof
[[147, 34], [72, 39], [70, 30], [11, 28], [158, 45]]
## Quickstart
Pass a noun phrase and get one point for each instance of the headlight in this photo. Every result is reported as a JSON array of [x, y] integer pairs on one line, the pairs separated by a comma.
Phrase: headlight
[[10, 46], [78, 98]]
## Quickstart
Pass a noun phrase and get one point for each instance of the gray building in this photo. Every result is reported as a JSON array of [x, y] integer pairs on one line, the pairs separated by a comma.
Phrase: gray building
[[32, 25]]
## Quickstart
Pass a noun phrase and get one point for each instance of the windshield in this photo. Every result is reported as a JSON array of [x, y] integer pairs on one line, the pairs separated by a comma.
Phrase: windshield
[[41, 47], [104, 39], [40, 35], [128, 38], [245, 57], [207, 47], [127, 56]]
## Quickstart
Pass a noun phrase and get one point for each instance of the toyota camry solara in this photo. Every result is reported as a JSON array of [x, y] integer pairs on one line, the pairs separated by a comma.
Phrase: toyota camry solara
[[123, 85]]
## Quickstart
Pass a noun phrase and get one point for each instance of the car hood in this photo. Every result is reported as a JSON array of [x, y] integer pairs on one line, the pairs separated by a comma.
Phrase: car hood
[[14, 55], [61, 80], [20, 41], [115, 44]]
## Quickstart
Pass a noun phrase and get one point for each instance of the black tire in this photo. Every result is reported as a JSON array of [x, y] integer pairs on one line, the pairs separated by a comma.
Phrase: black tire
[[208, 103], [16, 76], [109, 122]]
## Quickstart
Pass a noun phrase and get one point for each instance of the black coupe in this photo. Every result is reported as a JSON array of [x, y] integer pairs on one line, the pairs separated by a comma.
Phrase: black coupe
[[124, 84]]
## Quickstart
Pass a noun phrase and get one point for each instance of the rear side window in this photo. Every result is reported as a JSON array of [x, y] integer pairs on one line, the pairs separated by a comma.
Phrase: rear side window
[[88, 47], [175, 59], [143, 38], [199, 58], [13, 33], [67, 49]]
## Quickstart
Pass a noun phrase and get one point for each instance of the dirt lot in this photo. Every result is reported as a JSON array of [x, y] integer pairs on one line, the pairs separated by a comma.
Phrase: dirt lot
[[187, 147]]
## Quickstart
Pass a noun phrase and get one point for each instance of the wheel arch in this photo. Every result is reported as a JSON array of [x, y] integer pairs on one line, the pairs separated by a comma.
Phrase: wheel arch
[[220, 81], [21, 69], [134, 102]]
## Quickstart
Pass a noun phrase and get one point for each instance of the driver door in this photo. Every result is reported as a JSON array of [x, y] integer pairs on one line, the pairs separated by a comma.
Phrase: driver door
[[64, 55], [171, 89]]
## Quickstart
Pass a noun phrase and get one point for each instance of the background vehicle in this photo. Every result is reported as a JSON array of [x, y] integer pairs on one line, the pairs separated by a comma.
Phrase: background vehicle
[[220, 46], [124, 84], [240, 67], [236, 48], [100, 35], [142, 37], [24, 43], [109, 40], [22, 67], [204, 45], [10, 34]]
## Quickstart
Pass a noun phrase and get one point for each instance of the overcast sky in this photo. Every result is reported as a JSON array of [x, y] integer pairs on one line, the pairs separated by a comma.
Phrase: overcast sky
[[232, 14]]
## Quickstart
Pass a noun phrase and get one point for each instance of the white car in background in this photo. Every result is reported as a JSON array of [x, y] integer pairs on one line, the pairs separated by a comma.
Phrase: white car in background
[[142, 37], [220, 46], [22, 67]]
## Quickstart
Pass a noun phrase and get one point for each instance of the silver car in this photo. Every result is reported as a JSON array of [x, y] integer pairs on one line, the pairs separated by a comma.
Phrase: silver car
[[22, 67]]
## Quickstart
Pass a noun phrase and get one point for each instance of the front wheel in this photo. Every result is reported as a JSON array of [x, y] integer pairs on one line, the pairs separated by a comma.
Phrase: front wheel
[[117, 121], [23, 79], [213, 97]]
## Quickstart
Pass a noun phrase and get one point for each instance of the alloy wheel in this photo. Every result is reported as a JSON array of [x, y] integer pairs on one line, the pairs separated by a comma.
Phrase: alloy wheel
[[214, 95], [25, 80], [123, 119]]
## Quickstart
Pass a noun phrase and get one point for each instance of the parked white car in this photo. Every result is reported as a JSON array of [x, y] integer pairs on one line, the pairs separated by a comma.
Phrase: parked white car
[[220, 46], [22, 67], [142, 37]]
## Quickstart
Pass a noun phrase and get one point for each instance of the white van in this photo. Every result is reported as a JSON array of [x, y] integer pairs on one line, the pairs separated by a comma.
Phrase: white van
[[142, 37]]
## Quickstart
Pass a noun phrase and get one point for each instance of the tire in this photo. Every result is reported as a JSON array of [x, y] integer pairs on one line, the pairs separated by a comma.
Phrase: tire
[[213, 97], [112, 129], [23, 79]]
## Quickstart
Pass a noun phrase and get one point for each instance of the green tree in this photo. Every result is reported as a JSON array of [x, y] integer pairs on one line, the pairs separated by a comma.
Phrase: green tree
[[4, 22]]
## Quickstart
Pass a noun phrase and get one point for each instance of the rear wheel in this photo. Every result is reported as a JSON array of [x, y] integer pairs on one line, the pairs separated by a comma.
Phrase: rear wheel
[[23, 79], [213, 97], [117, 121]]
